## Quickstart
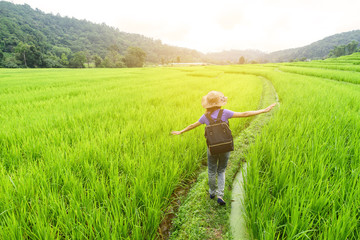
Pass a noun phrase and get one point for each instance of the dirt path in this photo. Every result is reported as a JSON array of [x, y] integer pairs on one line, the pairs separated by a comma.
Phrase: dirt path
[[237, 220]]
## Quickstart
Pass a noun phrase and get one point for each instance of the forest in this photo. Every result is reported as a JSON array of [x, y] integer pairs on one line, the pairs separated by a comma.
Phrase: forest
[[32, 38]]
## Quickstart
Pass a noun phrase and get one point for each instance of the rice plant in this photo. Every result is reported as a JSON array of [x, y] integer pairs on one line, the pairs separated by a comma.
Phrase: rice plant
[[303, 171], [345, 76], [87, 154]]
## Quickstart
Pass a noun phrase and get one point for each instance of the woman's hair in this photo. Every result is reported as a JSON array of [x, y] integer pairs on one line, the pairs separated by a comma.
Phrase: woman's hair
[[212, 109]]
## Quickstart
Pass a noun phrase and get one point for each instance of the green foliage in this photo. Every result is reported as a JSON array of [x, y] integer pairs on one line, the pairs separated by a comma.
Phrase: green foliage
[[342, 50], [21, 50], [1, 56], [64, 60], [78, 60], [59, 51], [53, 61], [10, 61], [98, 61], [29, 55], [134, 57], [113, 59]]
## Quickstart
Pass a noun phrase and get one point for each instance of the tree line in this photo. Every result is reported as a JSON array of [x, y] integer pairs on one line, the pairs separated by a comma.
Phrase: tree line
[[28, 55]]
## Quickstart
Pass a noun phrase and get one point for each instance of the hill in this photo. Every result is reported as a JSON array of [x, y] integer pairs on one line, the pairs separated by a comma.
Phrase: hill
[[52, 36], [316, 50]]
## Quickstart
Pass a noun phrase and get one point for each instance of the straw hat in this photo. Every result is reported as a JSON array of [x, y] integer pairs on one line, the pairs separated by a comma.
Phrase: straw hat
[[213, 99]]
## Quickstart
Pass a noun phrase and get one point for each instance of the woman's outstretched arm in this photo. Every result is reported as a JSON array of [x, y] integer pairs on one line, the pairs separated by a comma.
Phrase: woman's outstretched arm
[[253, 113], [191, 126]]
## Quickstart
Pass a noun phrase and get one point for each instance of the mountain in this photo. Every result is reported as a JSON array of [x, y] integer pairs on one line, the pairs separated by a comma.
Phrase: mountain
[[233, 56], [51, 36], [316, 50]]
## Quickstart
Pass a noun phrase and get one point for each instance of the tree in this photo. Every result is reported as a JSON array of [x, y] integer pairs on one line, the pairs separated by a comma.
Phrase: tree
[[178, 59], [29, 55], [241, 60], [352, 46], [22, 49], [88, 58], [98, 60], [34, 57], [78, 60], [64, 60], [135, 57], [1, 56], [114, 59]]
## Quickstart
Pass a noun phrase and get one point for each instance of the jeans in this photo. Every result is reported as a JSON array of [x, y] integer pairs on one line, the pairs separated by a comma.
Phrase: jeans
[[217, 164]]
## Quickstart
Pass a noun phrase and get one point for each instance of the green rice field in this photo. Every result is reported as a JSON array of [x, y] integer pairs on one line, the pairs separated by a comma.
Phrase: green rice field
[[87, 154], [304, 169]]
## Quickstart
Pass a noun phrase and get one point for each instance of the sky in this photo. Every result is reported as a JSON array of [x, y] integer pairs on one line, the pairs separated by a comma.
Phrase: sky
[[213, 26]]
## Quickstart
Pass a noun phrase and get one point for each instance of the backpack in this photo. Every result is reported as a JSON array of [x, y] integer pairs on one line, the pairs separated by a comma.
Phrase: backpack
[[218, 135]]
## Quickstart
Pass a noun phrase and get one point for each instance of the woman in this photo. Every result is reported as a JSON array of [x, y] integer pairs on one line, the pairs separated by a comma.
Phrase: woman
[[217, 163]]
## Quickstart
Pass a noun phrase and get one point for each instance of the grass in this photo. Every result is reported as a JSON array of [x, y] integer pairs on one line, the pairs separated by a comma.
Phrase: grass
[[326, 65], [303, 171], [346, 76], [87, 154]]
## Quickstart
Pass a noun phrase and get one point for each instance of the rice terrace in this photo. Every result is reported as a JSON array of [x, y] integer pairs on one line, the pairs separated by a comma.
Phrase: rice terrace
[[106, 133]]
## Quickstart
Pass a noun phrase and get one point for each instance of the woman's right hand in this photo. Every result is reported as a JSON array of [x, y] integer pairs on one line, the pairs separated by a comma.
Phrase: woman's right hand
[[176, 132]]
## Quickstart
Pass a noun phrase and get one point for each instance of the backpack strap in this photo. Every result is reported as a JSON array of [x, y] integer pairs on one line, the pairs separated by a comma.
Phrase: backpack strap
[[219, 115], [218, 119], [208, 116]]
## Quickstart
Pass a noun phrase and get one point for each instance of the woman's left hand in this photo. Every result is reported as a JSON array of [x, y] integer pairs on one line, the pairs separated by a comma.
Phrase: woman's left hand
[[269, 107]]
